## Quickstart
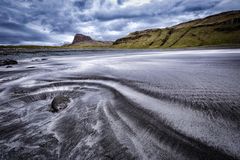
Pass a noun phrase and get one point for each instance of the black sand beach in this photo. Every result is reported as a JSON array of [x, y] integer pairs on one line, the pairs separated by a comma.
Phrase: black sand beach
[[123, 104]]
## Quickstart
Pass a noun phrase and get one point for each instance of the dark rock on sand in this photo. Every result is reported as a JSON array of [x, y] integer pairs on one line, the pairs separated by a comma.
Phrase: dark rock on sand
[[8, 66], [36, 60], [8, 62], [59, 103]]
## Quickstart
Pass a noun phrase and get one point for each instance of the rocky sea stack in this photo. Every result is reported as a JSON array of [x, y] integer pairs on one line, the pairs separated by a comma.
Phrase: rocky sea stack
[[83, 41], [78, 38]]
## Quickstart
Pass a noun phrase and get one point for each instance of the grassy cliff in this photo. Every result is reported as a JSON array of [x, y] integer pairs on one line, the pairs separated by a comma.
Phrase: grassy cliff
[[217, 30]]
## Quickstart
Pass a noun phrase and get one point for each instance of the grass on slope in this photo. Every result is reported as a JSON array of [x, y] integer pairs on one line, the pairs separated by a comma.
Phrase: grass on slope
[[185, 37], [139, 40], [209, 35], [89, 45]]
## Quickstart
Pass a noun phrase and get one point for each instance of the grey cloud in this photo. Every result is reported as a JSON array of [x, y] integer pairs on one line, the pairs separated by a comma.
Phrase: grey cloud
[[83, 4], [12, 33], [120, 2], [101, 19]]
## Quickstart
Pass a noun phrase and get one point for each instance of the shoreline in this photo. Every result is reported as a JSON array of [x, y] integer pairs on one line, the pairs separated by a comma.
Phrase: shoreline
[[5, 50]]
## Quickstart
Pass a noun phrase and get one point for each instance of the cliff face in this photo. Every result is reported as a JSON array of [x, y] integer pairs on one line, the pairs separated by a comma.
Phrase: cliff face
[[79, 38], [220, 29]]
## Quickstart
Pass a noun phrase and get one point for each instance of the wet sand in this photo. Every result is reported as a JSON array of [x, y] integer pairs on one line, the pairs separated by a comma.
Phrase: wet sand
[[125, 104]]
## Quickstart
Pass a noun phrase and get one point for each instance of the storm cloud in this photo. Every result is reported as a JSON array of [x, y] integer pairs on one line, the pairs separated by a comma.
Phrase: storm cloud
[[56, 21]]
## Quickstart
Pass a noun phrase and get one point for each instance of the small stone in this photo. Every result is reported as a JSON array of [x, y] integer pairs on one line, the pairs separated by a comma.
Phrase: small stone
[[36, 60], [59, 103], [31, 67]]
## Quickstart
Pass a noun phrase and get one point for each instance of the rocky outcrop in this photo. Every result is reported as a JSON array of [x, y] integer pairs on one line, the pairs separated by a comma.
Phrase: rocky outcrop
[[79, 38], [59, 103], [83, 41]]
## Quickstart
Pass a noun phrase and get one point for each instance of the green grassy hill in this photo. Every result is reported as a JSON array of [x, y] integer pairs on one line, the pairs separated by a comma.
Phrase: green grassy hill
[[96, 44], [217, 30]]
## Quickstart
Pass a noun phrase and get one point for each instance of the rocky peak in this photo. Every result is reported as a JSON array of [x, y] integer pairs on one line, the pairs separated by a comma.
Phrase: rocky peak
[[78, 38]]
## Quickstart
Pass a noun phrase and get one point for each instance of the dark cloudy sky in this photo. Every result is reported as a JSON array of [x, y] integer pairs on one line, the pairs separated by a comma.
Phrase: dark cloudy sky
[[56, 21]]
